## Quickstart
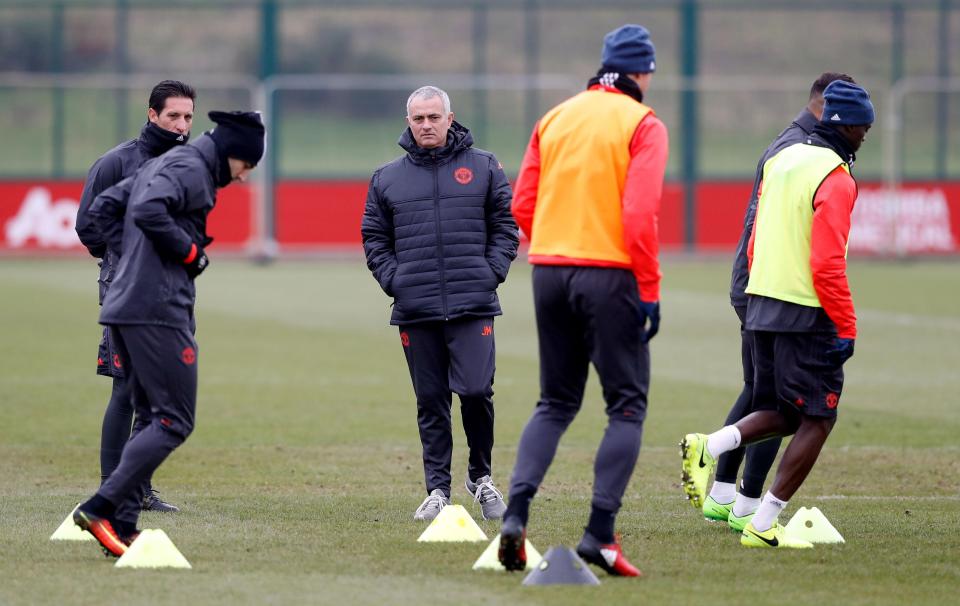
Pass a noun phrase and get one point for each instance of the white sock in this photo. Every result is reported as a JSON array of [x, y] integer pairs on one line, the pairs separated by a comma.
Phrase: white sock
[[723, 440], [770, 508], [745, 505], [723, 492]]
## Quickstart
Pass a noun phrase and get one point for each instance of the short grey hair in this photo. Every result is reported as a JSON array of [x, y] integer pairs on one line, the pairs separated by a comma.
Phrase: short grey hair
[[429, 92]]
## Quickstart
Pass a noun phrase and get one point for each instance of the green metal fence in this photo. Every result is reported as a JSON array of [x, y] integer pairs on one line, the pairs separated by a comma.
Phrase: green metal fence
[[343, 133]]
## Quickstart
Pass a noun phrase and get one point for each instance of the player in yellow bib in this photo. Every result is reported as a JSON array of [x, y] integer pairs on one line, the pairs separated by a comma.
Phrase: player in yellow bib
[[799, 309]]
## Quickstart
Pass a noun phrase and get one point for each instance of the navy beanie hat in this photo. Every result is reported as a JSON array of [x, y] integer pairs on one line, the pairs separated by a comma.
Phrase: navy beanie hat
[[846, 103], [628, 50], [239, 135]]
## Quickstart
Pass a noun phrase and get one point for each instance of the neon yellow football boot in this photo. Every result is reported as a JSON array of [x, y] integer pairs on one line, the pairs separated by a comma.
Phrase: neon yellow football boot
[[697, 467], [775, 537], [717, 512], [737, 523]]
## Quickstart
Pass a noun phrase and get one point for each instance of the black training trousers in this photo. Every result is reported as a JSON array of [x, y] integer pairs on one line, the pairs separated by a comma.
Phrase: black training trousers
[[445, 358], [584, 315], [161, 369]]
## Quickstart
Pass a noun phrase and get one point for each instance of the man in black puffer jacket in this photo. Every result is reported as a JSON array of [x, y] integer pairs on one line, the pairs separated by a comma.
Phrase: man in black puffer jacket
[[157, 220], [439, 238]]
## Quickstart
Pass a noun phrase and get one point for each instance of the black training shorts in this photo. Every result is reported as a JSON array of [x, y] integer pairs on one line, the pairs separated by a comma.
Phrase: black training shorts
[[108, 359], [792, 372]]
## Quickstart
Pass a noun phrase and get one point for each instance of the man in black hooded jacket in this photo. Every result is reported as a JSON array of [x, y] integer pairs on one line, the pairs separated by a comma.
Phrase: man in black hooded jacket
[[169, 118], [158, 220], [439, 238]]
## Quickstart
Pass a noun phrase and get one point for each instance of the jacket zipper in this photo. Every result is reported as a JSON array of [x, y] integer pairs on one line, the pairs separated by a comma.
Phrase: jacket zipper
[[436, 212]]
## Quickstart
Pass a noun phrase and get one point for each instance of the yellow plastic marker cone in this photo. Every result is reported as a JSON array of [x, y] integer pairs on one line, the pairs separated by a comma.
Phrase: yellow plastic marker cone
[[69, 531], [452, 524], [153, 549], [811, 525], [488, 559]]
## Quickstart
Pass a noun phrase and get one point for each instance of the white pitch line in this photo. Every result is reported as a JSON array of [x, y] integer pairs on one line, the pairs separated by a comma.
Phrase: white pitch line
[[714, 301], [825, 497], [865, 497], [910, 320]]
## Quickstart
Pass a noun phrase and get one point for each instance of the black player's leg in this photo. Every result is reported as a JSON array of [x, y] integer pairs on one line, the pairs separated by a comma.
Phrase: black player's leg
[[564, 363], [761, 455], [425, 349], [728, 465], [611, 306], [117, 420], [118, 416]]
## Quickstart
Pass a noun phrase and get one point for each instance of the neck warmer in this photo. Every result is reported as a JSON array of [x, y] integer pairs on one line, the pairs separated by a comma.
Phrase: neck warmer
[[157, 141], [618, 81], [827, 136]]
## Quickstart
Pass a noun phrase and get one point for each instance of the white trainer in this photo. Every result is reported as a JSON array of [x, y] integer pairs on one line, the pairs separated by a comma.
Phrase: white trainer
[[490, 499], [431, 506]]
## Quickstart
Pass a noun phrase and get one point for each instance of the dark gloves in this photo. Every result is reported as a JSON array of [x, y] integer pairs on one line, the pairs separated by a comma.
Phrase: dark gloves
[[650, 312], [196, 261], [840, 351]]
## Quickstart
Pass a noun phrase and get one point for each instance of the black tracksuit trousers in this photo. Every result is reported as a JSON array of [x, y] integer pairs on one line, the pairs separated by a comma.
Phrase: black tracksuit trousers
[[161, 369], [584, 315], [445, 358]]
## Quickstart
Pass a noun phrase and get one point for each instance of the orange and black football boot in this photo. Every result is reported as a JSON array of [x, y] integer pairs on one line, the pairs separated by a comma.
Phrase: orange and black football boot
[[102, 530]]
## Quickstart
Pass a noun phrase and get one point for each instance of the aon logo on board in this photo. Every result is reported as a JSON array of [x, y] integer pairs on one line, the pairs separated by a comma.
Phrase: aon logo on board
[[51, 223]]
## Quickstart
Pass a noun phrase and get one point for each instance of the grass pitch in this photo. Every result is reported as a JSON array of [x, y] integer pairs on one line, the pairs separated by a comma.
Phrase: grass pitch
[[300, 481]]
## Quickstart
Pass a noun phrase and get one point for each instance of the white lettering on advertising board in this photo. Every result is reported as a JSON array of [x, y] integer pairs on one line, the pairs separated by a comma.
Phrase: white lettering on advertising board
[[906, 221], [51, 223]]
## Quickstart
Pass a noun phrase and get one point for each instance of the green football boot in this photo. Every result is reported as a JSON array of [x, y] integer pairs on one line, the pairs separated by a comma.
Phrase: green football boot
[[738, 522], [717, 512], [776, 537], [697, 467]]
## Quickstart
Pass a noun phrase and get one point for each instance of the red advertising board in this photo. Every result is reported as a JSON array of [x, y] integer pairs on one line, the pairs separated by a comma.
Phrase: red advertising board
[[319, 212], [37, 217], [920, 218]]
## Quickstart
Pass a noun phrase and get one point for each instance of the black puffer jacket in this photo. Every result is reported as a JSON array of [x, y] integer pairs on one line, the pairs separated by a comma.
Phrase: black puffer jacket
[[437, 230], [155, 217]]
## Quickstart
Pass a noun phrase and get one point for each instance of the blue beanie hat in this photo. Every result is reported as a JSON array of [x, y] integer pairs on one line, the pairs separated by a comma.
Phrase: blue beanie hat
[[846, 103], [628, 50]]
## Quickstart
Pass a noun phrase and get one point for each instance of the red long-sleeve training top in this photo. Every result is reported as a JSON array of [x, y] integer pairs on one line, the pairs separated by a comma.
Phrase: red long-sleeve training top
[[642, 191]]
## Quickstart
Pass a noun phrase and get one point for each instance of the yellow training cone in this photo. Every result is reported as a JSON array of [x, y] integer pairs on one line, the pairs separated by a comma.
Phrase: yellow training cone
[[811, 525], [488, 559], [153, 549], [453, 523], [69, 531]]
